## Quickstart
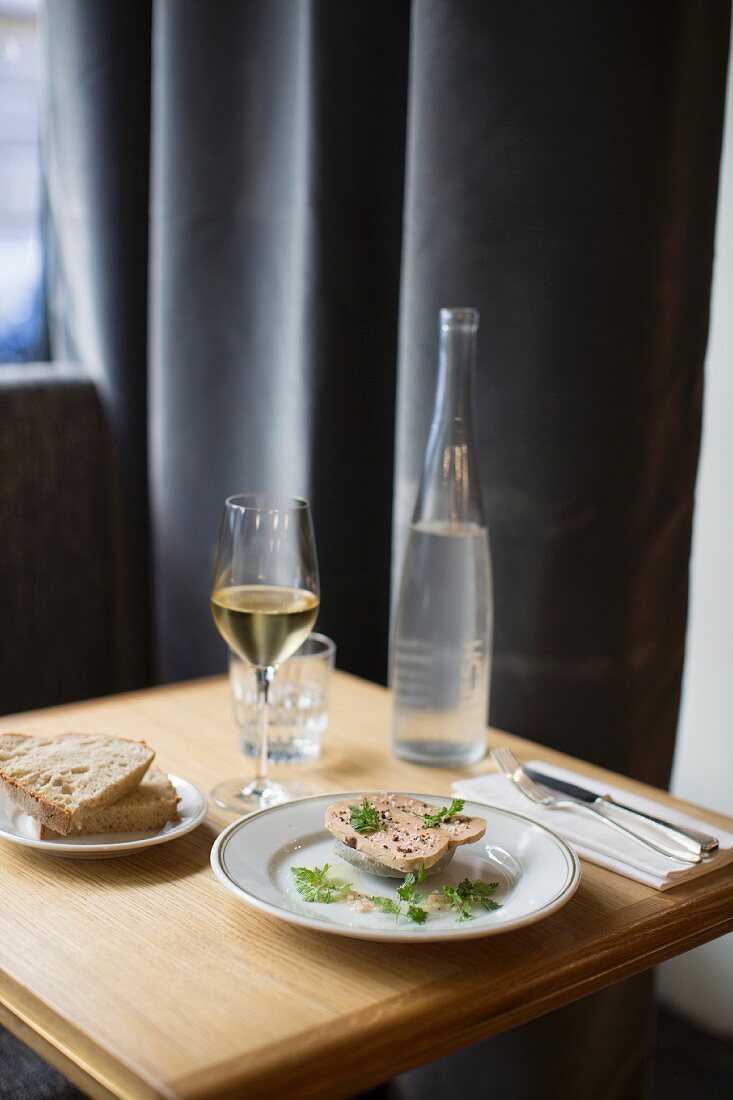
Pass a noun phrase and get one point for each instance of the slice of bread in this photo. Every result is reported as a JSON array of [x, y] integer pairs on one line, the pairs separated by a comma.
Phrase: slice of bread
[[61, 781], [148, 806]]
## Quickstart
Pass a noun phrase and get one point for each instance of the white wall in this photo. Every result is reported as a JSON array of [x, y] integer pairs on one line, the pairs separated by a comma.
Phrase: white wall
[[700, 983]]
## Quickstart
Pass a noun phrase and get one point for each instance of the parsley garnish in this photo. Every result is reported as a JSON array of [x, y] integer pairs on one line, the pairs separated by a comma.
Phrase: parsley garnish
[[469, 893], [416, 914], [479, 892], [462, 906], [443, 814], [314, 886], [407, 894], [387, 905], [364, 818]]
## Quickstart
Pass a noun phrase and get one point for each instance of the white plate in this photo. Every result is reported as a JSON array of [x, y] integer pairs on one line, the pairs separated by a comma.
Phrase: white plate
[[537, 872], [18, 828]]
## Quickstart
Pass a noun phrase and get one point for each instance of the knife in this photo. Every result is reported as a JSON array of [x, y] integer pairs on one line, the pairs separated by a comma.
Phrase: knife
[[707, 843]]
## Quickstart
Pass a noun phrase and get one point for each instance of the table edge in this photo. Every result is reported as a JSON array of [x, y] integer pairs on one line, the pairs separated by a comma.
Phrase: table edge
[[81, 1059]]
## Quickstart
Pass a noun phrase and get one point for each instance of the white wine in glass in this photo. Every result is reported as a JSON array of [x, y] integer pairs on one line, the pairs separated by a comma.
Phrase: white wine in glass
[[264, 623], [264, 599]]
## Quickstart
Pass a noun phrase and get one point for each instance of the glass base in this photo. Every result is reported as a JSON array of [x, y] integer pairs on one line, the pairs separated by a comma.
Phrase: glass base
[[242, 797], [437, 754], [283, 750]]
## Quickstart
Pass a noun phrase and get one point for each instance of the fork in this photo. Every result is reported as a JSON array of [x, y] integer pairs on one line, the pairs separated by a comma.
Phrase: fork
[[535, 792]]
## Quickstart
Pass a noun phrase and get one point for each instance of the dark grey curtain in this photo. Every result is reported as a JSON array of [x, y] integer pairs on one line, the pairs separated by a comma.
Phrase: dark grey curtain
[[317, 170], [96, 138], [278, 151]]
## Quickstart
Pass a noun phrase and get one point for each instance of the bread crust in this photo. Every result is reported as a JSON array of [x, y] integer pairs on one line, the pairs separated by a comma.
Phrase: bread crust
[[32, 803]]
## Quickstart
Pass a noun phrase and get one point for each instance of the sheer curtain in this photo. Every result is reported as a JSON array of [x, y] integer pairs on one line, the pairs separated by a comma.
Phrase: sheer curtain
[[254, 280]]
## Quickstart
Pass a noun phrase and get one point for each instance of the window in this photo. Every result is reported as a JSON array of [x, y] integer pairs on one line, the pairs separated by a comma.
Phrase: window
[[22, 308]]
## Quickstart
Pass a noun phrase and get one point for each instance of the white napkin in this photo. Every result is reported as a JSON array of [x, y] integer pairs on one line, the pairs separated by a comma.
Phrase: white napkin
[[595, 841]]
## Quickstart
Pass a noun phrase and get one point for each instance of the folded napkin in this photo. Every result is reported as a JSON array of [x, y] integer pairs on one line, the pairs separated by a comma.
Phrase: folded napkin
[[595, 841]]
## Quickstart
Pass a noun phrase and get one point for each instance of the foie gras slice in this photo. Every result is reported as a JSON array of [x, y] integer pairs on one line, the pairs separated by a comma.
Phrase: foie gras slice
[[403, 843]]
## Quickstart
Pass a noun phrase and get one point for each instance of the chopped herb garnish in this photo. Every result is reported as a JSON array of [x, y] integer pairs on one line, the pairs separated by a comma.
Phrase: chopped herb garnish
[[417, 914], [314, 885], [364, 818], [407, 893], [469, 893], [461, 905], [443, 814], [387, 905], [479, 892]]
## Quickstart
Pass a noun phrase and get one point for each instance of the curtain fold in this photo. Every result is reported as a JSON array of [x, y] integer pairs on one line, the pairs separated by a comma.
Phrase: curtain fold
[[278, 138], [96, 139]]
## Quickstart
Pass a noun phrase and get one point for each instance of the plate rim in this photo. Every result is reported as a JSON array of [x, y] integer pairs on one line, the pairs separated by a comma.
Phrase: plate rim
[[406, 935], [55, 847]]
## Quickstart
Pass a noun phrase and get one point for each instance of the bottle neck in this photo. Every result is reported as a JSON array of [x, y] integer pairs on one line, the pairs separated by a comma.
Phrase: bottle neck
[[455, 380], [449, 492]]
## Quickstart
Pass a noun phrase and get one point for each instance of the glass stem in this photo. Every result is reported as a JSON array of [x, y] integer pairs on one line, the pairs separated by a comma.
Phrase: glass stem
[[264, 679]]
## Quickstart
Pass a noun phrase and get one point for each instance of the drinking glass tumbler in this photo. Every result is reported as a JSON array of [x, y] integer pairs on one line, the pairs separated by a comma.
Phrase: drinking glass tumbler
[[298, 702]]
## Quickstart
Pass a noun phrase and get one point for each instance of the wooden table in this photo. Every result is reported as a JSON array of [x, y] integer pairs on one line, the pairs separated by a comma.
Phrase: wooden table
[[143, 976]]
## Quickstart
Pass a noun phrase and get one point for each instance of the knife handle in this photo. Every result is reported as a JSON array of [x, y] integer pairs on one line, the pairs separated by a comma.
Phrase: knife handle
[[666, 846], [699, 842]]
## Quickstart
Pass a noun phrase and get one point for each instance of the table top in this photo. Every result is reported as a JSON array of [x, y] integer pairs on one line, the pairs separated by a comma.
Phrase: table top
[[142, 976]]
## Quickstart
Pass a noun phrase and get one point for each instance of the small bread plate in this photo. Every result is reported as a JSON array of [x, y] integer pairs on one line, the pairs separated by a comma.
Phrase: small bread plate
[[18, 828], [535, 870]]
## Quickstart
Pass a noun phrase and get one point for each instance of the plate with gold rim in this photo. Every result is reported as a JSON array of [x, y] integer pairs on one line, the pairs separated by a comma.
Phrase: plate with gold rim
[[535, 870]]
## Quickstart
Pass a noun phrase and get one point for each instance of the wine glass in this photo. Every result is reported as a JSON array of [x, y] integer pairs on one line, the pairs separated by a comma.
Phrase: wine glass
[[264, 599]]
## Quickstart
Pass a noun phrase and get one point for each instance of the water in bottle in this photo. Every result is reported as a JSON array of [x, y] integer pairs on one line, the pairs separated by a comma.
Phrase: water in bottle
[[441, 646]]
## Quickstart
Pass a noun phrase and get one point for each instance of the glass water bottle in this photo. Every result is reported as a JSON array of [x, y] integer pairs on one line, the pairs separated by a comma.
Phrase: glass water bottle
[[442, 637]]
